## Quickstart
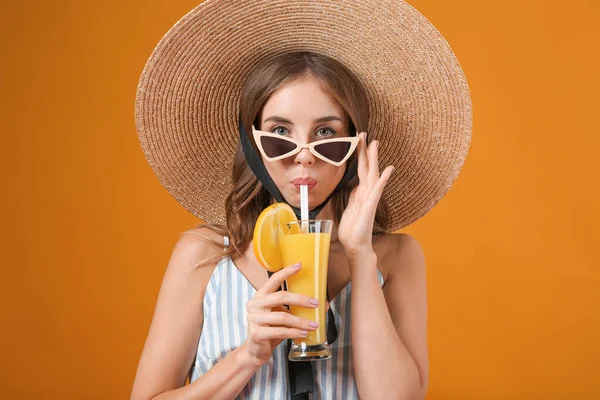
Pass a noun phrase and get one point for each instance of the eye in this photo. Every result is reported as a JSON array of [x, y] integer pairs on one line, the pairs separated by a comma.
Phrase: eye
[[279, 130], [324, 132]]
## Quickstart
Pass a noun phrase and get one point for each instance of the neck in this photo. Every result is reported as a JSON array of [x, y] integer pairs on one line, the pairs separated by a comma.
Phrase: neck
[[327, 213]]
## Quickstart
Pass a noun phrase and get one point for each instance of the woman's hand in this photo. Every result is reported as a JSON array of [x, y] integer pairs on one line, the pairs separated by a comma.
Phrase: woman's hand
[[356, 225], [269, 322]]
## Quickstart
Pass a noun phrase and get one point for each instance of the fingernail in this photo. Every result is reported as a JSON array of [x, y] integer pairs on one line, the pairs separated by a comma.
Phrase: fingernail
[[314, 324], [296, 266], [303, 333], [315, 302]]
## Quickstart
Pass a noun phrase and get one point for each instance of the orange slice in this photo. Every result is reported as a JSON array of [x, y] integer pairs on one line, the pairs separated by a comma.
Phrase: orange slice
[[266, 234]]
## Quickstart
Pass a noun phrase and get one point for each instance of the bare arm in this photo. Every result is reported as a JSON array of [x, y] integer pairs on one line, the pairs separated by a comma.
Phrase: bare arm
[[172, 340], [390, 362], [223, 381]]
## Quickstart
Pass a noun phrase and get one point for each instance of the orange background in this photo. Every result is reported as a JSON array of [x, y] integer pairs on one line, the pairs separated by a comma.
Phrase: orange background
[[513, 280]]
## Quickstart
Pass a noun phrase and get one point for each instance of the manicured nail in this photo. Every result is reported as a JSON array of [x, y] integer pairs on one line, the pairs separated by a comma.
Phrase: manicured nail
[[315, 302], [296, 266], [314, 324], [303, 333]]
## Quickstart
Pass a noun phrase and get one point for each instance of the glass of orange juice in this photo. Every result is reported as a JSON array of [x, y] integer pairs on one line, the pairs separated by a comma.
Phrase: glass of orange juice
[[307, 242]]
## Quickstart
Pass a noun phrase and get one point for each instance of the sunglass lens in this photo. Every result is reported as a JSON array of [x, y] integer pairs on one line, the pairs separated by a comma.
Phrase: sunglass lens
[[275, 147], [335, 151]]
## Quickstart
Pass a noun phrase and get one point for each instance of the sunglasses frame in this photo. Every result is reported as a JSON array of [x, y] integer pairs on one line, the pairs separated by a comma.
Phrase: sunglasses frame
[[353, 140]]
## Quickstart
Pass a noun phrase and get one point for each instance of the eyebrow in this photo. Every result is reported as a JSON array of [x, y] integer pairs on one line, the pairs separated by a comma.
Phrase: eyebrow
[[316, 121]]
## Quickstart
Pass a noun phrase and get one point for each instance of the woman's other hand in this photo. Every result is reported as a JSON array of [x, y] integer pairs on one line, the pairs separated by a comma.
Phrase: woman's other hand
[[356, 225]]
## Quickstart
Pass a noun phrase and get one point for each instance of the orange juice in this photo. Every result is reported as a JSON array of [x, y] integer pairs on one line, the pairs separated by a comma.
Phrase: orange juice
[[312, 250]]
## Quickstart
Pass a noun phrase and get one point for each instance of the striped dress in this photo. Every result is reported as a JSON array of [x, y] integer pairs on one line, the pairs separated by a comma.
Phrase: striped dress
[[225, 328]]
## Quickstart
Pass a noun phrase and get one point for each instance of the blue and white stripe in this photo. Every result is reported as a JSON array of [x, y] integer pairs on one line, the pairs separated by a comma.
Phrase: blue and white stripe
[[225, 328]]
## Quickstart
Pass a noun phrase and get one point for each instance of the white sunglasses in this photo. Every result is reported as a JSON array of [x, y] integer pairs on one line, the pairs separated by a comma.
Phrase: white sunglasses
[[274, 147]]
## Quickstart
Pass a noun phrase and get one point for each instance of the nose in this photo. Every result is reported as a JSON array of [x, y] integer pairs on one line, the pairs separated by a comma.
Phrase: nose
[[305, 158]]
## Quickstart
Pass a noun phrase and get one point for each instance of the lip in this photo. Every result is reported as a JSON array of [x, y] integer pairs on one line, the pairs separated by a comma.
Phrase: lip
[[304, 181], [310, 182]]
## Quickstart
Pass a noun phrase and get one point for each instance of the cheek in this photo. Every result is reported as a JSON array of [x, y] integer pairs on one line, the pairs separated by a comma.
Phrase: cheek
[[276, 170], [334, 175]]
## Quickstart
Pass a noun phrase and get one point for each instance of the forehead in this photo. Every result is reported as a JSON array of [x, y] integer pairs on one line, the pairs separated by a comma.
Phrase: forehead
[[305, 97]]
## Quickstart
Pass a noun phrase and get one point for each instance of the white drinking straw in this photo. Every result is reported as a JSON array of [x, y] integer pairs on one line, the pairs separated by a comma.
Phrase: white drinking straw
[[304, 207], [303, 202]]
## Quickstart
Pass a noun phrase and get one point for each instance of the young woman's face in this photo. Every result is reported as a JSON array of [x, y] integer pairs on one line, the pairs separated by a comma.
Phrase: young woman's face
[[302, 110]]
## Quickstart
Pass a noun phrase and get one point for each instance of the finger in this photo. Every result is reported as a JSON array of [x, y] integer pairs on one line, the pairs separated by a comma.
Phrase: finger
[[363, 158], [280, 309], [281, 319], [282, 297], [277, 279], [383, 180], [373, 162], [265, 333]]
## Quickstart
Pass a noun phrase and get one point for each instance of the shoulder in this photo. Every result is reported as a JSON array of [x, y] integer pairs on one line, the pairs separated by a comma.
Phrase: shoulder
[[393, 245], [397, 251], [204, 234], [197, 245], [192, 263]]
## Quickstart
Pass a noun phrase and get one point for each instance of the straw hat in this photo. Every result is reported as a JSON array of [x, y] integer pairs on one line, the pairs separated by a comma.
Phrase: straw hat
[[187, 108]]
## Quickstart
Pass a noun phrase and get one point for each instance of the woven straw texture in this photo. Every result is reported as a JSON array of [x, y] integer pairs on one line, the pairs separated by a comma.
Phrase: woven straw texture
[[187, 100]]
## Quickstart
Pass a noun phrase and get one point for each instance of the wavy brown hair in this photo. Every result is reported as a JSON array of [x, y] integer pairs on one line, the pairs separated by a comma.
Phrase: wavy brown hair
[[248, 197]]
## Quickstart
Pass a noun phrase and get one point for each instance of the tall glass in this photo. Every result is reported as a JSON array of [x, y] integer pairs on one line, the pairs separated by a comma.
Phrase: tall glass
[[308, 242]]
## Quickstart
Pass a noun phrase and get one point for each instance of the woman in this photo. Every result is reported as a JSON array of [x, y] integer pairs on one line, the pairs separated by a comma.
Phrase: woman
[[219, 317]]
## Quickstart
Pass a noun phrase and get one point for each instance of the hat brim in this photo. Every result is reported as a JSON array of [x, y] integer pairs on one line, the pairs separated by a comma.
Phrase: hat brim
[[420, 109]]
